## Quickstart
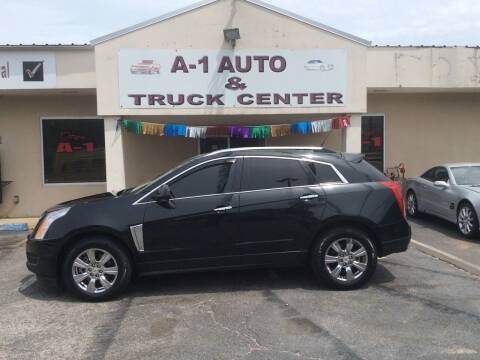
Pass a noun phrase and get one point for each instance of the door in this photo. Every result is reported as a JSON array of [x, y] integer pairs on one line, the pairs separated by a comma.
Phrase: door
[[203, 222], [277, 206], [442, 199], [373, 140]]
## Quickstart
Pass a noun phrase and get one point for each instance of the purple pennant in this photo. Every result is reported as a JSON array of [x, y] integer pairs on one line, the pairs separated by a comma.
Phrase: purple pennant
[[239, 131]]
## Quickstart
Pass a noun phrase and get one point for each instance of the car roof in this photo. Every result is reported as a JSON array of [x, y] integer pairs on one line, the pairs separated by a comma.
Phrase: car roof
[[452, 165], [299, 152]]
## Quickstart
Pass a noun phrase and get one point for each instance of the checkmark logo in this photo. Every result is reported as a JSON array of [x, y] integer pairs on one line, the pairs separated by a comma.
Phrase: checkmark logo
[[33, 71]]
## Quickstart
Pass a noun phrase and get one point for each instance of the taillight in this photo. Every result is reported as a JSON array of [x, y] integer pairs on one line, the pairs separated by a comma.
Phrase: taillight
[[397, 191]]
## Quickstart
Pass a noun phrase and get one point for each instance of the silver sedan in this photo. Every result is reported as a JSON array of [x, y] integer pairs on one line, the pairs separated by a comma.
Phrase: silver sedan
[[450, 191]]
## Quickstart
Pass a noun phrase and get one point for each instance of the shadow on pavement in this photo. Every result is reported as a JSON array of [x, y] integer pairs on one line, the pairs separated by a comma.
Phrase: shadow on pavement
[[203, 282], [442, 226]]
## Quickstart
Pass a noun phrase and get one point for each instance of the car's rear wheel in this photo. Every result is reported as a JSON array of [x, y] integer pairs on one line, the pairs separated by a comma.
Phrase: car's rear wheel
[[344, 259], [96, 269], [412, 204], [467, 220]]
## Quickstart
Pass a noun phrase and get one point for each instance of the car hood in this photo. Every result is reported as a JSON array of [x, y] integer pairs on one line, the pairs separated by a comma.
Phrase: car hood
[[87, 199]]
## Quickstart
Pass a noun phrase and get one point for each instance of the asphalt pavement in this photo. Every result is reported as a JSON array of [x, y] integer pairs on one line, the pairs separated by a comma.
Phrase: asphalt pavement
[[415, 307], [443, 235]]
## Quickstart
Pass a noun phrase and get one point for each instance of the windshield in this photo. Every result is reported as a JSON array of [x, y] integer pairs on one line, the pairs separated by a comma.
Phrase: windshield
[[141, 187], [466, 175]]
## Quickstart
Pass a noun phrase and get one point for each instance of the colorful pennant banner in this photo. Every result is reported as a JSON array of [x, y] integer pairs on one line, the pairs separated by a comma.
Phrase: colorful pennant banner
[[246, 132]]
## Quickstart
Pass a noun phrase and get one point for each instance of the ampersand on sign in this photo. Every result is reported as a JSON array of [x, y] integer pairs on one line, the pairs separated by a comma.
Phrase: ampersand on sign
[[234, 83]]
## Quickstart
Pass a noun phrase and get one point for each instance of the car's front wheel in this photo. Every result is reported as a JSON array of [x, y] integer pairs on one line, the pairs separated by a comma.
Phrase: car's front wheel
[[412, 204], [344, 259], [467, 220], [96, 269]]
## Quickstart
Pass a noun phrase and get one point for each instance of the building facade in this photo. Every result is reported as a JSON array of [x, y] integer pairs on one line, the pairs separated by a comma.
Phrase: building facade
[[222, 63]]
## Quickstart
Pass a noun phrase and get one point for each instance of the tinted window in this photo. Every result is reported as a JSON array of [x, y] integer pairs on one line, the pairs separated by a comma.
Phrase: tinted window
[[268, 173], [212, 179], [73, 150], [429, 174], [440, 174], [322, 173]]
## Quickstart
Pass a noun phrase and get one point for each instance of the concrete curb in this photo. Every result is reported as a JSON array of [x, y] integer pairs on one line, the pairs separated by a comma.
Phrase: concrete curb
[[442, 255]]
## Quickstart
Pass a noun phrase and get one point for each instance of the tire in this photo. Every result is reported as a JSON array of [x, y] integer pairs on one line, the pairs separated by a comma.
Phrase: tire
[[324, 251], [467, 220], [411, 204], [109, 279]]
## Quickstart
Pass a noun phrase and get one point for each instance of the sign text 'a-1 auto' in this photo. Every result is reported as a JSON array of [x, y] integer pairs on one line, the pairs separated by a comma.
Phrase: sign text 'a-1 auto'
[[167, 78]]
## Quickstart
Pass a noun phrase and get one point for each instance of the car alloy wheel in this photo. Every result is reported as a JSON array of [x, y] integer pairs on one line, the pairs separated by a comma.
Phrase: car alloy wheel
[[343, 258], [346, 260], [95, 270], [411, 204], [467, 220]]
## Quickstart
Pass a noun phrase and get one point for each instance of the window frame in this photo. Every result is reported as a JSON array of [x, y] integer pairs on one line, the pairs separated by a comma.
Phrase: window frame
[[146, 196], [96, 183], [188, 172]]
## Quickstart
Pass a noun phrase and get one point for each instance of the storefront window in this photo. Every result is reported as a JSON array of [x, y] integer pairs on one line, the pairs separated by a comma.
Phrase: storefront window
[[372, 140], [73, 150]]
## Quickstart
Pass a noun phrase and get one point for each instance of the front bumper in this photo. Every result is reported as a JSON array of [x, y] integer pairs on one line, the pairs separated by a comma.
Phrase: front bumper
[[394, 238], [42, 256]]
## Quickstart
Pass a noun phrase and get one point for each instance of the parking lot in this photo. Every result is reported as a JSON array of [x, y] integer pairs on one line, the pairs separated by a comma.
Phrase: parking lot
[[416, 307]]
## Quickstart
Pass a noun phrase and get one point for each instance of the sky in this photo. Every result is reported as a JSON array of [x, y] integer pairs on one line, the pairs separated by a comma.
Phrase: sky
[[384, 22]]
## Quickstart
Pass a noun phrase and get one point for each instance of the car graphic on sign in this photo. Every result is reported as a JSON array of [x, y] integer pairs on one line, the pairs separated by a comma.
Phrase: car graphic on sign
[[318, 65], [145, 67]]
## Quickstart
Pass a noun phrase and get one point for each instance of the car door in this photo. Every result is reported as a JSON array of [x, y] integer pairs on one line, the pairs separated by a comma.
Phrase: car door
[[277, 207], [202, 226], [443, 198], [424, 190]]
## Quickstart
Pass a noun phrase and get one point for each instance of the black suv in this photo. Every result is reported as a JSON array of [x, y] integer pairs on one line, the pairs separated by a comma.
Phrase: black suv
[[235, 208]]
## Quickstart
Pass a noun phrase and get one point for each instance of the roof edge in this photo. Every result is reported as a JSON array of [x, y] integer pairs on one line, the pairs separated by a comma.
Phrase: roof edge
[[311, 22], [146, 23], [202, 3]]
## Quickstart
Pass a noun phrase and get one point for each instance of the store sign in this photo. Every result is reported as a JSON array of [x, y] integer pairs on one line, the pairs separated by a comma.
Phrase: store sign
[[169, 78], [27, 70]]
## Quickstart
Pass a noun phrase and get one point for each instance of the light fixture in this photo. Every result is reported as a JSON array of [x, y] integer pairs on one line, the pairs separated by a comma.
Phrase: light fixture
[[231, 36]]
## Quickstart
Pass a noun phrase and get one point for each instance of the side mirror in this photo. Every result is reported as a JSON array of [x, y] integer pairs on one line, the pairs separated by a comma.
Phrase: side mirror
[[164, 196], [441, 184]]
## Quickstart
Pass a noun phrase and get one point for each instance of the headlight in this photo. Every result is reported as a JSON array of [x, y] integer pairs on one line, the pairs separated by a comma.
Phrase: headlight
[[48, 220]]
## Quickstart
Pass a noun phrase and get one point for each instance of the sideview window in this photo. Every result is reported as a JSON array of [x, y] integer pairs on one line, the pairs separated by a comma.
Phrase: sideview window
[[211, 179], [268, 173], [73, 150], [323, 173], [441, 174], [428, 175]]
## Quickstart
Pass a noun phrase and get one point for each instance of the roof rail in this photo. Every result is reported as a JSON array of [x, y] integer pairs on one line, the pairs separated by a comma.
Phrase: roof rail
[[270, 148]]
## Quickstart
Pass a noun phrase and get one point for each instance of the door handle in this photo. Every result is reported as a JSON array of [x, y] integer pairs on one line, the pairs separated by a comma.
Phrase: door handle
[[308, 197], [222, 209]]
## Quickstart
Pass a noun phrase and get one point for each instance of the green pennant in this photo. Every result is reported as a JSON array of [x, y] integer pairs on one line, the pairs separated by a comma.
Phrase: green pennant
[[260, 132]]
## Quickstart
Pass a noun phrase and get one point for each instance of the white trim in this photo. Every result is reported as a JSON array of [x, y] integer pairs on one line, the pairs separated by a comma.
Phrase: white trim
[[43, 157], [203, 3], [311, 22], [339, 174], [153, 21]]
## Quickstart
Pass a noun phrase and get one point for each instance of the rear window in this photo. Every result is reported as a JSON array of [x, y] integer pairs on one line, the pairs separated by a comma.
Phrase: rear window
[[360, 171]]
